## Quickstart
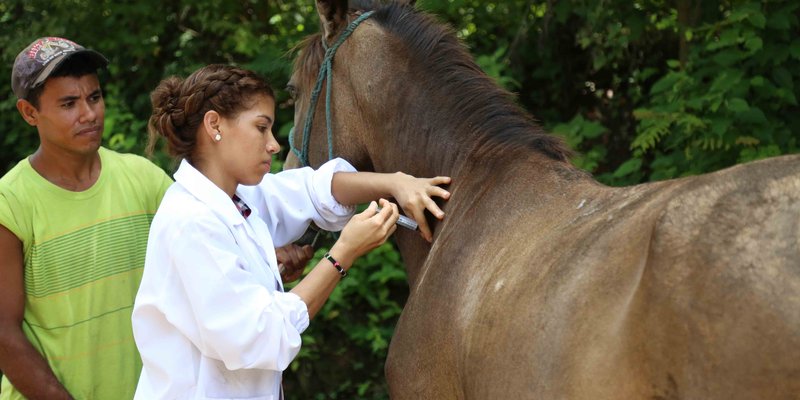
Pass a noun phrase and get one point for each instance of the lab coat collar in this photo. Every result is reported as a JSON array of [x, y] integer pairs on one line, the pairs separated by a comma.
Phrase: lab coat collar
[[207, 192]]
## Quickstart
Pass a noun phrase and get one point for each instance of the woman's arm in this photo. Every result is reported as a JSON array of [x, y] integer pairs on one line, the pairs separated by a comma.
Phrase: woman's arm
[[364, 232], [414, 195], [288, 200]]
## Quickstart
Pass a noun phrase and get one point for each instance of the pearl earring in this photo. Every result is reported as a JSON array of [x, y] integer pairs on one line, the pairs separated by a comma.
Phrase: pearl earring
[[218, 136]]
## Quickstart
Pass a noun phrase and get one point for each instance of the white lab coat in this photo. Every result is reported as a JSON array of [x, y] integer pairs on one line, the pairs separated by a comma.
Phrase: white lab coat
[[210, 319]]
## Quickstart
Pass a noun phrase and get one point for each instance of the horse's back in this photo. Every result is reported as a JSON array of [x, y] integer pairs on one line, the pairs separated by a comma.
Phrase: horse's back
[[679, 289], [723, 278]]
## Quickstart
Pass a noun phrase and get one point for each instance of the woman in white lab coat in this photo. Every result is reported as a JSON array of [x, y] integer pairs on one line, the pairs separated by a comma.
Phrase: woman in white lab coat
[[211, 319]]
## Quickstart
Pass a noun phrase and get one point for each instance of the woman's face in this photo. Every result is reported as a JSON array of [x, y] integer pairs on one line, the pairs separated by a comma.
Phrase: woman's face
[[247, 142]]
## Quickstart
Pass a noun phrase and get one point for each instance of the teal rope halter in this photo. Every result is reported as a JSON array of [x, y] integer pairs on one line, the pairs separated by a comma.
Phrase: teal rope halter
[[325, 73]]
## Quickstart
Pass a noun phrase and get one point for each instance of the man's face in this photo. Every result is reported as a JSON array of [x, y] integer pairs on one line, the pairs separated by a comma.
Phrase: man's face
[[70, 114]]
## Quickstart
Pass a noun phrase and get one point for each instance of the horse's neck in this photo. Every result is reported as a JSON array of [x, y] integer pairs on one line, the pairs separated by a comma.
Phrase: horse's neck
[[423, 140], [501, 185], [426, 141], [414, 251]]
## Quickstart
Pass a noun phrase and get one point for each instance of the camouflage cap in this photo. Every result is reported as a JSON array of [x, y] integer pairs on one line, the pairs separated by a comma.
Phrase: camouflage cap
[[35, 64]]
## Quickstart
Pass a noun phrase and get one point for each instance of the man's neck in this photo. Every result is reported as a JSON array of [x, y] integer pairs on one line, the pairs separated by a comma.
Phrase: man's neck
[[70, 171]]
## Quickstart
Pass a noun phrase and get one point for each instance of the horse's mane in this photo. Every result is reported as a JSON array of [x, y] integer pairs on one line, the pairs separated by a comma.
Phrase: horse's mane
[[480, 106]]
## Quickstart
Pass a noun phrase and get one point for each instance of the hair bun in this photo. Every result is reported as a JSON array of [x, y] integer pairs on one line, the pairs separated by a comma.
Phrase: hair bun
[[165, 96]]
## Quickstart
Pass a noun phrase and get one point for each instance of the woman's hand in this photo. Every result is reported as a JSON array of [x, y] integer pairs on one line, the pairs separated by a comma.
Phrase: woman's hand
[[365, 231], [415, 195]]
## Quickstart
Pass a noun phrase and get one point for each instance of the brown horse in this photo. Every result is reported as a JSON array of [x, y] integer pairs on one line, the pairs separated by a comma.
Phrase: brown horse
[[542, 283]]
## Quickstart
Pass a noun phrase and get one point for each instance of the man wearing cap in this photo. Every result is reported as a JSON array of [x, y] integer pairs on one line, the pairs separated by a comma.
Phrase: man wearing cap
[[74, 220]]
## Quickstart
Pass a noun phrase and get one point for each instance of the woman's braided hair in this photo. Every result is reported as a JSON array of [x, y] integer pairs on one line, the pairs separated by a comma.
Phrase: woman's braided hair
[[179, 105]]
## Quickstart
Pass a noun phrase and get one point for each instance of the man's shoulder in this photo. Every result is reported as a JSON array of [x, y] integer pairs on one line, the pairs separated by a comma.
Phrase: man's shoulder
[[135, 167], [14, 190], [127, 160], [15, 175], [131, 172]]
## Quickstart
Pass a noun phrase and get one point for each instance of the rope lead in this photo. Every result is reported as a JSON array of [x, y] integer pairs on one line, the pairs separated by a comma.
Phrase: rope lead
[[325, 73]]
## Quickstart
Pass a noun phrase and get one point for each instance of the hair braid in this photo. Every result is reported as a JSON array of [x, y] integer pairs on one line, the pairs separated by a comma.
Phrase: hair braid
[[179, 105]]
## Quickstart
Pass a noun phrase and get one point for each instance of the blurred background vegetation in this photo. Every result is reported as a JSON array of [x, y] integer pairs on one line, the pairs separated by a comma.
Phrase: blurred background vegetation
[[643, 90]]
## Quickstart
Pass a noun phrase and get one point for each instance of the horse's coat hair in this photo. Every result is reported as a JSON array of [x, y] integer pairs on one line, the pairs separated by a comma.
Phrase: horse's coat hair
[[542, 283]]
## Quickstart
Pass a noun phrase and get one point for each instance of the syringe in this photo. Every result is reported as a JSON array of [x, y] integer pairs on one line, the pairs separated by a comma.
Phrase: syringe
[[404, 221]]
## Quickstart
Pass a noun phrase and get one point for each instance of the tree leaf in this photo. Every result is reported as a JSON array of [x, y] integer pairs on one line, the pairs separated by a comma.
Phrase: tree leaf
[[667, 82], [758, 19], [794, 49], [726, 79], [592, 129], [737, 105], [757, 81], [628, 167], [779, 21], [753, 115], [729, 57], [754, 44], [783, 78]]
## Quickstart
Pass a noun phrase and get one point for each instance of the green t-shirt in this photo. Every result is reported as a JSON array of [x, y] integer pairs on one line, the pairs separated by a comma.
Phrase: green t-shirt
[[84, 255]]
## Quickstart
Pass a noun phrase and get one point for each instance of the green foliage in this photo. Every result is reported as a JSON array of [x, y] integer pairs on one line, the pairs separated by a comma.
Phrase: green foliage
[[579, 130], [643, 90], [731, 100], [345, 346], [683, 90], [495, 65], [646, 90], [146, 41]]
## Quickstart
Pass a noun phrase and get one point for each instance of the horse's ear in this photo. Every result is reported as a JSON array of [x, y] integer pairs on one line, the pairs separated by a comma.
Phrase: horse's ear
[[332, 14]]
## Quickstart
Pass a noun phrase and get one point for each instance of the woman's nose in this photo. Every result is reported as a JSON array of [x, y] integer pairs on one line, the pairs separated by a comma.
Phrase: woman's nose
[[273, 147]]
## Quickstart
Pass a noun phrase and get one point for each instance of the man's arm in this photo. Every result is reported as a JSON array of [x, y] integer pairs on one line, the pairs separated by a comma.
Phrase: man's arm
[[292, 260], [27, 370]]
